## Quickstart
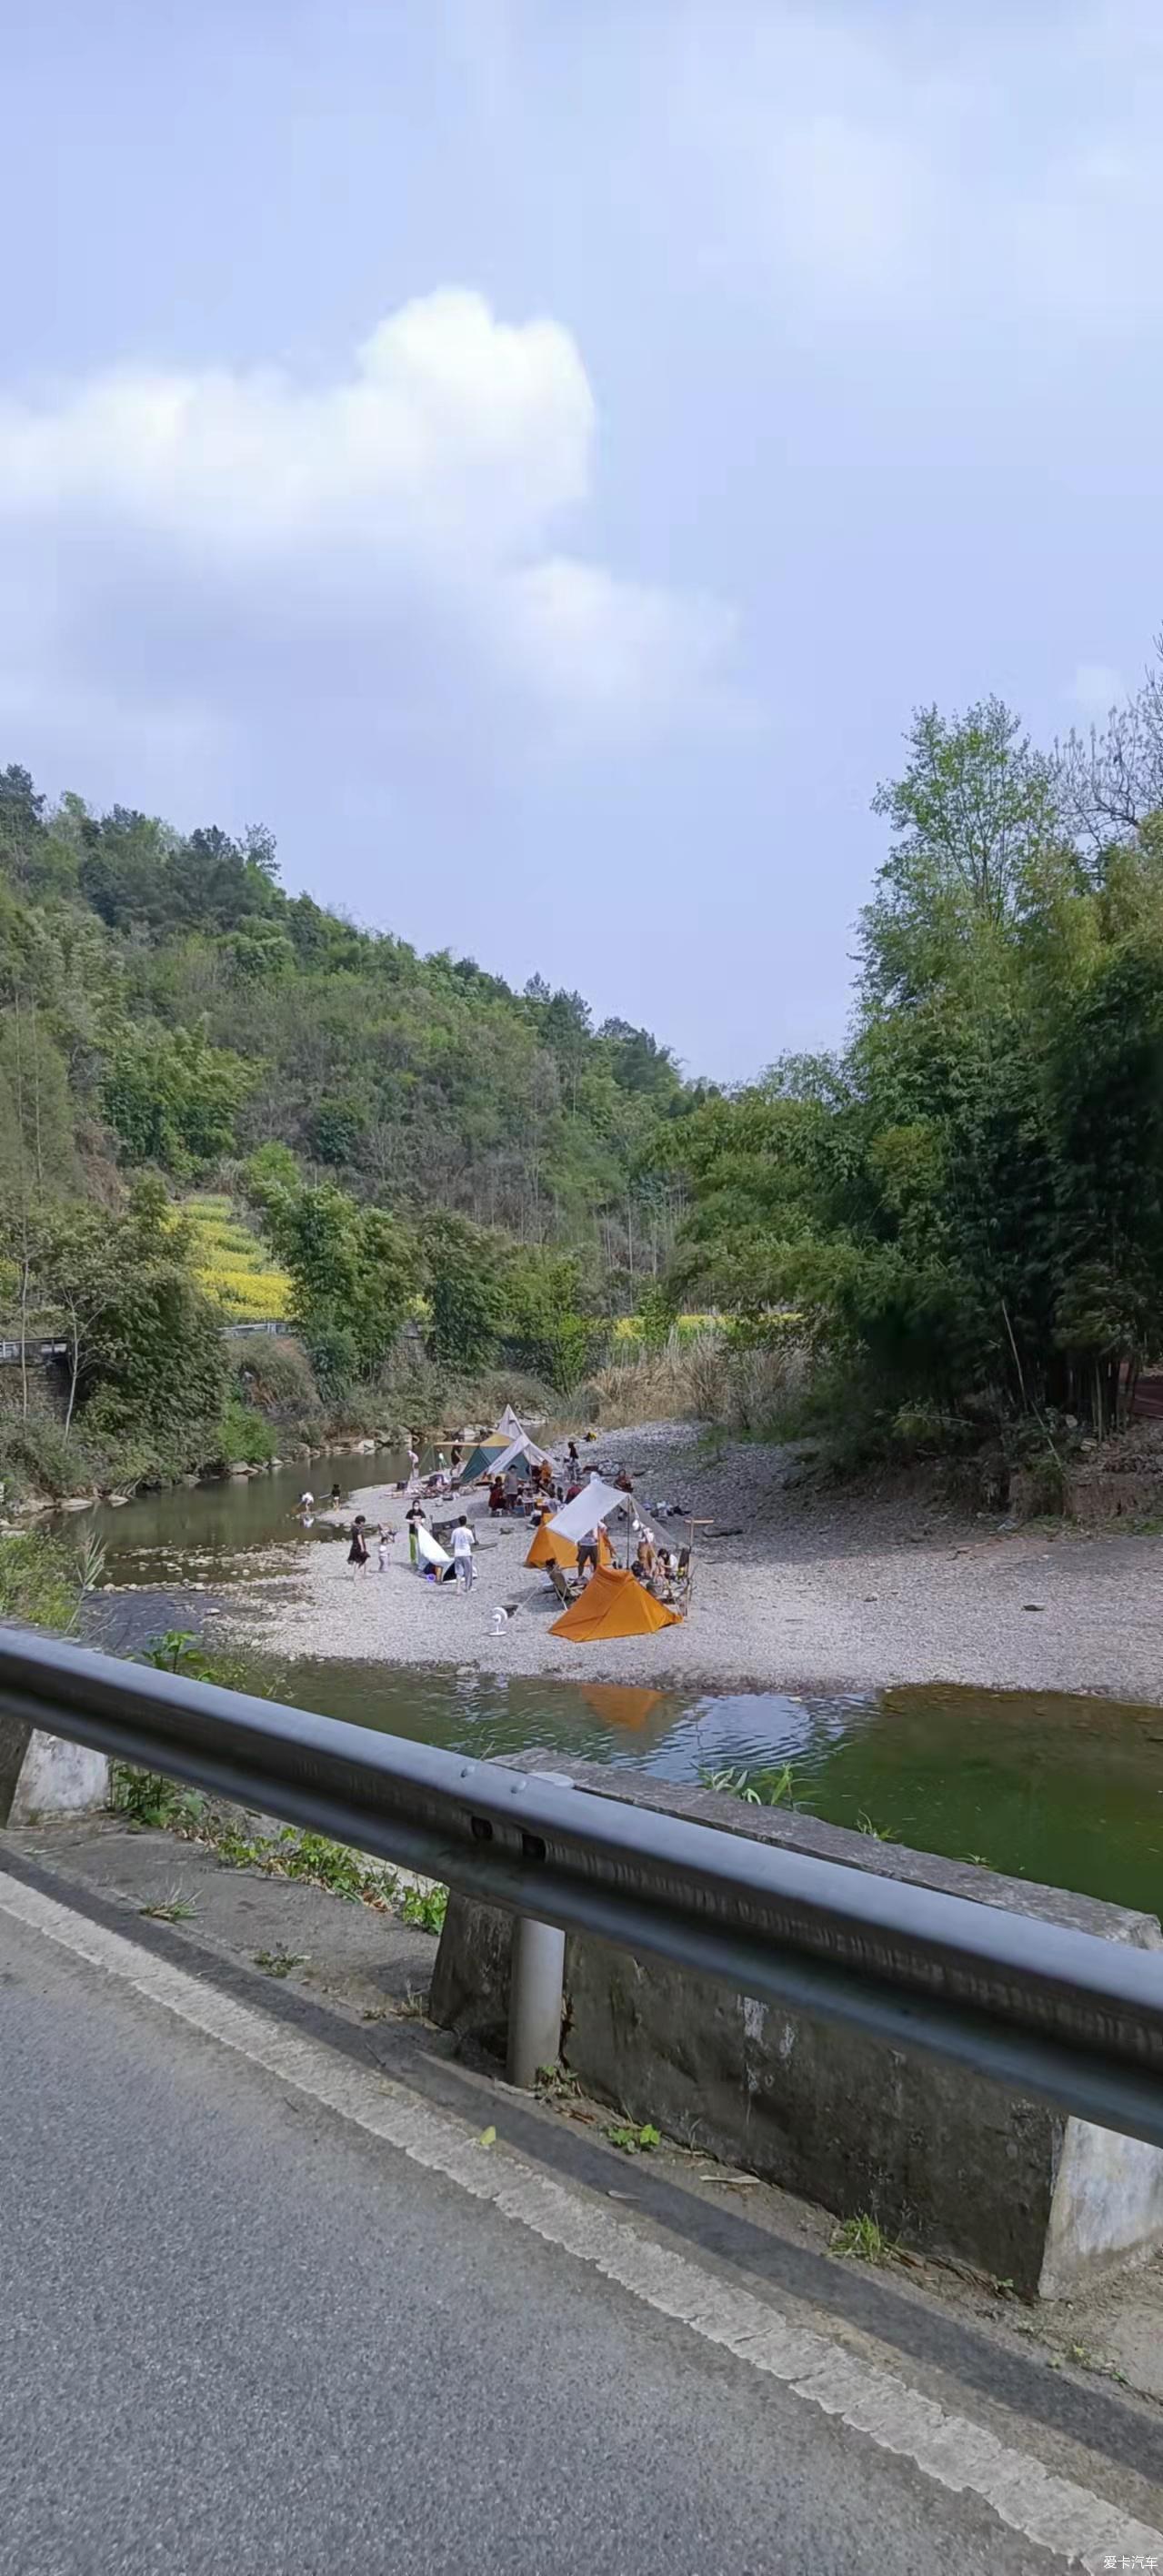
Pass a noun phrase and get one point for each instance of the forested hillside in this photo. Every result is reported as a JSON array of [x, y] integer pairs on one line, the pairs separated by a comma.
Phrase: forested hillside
[[191, 1010], [412, 1135], [958, 1219]]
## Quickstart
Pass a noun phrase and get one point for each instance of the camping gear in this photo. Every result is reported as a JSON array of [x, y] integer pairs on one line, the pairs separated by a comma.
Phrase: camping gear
[[503, 1442], [613, 1605], [481, 1460], [525, 1448], [544, 1545], [427, 1547], [580, 1518]]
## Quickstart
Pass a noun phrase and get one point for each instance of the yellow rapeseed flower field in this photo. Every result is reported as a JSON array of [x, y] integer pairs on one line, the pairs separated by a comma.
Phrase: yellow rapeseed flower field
[[233, 1266]]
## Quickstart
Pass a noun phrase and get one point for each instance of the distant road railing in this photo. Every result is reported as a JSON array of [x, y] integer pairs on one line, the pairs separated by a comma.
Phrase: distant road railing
[[1046, 2012], [42, 1353]]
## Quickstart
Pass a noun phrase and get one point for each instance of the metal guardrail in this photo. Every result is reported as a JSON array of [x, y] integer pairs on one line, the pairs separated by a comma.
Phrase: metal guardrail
[[1049, 2013]]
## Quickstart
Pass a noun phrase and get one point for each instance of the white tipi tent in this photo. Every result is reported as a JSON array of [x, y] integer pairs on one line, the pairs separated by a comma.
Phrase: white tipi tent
[[523, 1447]]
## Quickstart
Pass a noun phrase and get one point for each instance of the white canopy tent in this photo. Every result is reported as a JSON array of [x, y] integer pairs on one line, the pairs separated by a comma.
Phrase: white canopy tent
[[428, 1547], [510, 1427], [580, 1518]]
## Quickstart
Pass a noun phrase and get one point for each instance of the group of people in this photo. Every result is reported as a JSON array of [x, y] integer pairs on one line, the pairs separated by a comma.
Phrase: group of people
[[359, 1552], [655, 1569], [462, 1569], [534, 1485], [445, 1474], [507, 1493], [523, 1487]]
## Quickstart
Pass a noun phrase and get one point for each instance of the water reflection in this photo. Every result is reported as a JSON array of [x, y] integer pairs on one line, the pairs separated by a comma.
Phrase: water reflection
[[1065, 1791]]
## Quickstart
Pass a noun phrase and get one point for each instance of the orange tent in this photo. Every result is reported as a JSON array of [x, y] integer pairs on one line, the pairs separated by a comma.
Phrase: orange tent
[[544, 1545], [612, 1605]]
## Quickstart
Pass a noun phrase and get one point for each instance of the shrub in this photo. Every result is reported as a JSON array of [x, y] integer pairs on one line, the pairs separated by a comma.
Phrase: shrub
[[39, 1580], [277, 1377], [36, 1458], [243, 1438]]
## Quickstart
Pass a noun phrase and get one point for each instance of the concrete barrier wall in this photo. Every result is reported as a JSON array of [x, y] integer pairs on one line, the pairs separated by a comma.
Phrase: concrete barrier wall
[[935, 2154], [42, 1775]]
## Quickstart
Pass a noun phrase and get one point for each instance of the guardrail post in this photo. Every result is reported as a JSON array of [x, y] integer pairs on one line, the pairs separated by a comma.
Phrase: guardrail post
[[536, 1986], [536, 1982]]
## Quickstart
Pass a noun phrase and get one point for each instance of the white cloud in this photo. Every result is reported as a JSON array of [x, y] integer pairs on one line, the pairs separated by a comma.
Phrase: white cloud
[[451, 427], [429, 477], [618, 652]]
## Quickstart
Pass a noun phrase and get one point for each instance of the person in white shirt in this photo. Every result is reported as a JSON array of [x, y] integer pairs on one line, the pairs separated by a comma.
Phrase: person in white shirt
[[462, 1548]]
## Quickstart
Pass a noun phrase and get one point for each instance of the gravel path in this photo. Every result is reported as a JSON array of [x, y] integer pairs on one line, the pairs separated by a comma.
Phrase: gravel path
[[820, 1591]]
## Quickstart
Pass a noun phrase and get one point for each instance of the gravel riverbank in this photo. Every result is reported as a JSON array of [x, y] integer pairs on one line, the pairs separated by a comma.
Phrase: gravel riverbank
[[817, 1591]]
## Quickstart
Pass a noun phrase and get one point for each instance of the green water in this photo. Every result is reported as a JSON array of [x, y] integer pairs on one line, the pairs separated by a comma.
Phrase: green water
[[1066, 1791]]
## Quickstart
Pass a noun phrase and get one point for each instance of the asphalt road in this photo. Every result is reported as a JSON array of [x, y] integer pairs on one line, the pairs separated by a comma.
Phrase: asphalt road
[[237, 2334]]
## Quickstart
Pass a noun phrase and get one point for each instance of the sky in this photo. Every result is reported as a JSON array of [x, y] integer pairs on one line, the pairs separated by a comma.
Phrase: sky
[[535, 454]]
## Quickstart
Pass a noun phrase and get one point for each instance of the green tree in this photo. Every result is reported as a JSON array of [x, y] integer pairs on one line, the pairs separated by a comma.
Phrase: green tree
[[77, 1274], [354, 1272], [542, 1327], [465, 1293], [156, 1358], [971, 819], [171, 1098]]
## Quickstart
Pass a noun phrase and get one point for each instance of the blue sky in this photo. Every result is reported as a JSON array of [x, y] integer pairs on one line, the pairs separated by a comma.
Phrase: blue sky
[[534, 454]]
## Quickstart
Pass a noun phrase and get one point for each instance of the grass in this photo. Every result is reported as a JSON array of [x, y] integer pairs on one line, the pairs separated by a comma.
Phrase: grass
[[42, 1580], [170, 1909], [557, 2083], [425, 1907], [876, 1833], [145, 1798], [701, 1374], [863, 2240], [770, 1788], [634, 2141], [279, 1962]]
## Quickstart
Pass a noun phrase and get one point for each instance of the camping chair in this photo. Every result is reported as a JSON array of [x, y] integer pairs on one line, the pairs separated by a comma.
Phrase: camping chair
[[565, 1591]]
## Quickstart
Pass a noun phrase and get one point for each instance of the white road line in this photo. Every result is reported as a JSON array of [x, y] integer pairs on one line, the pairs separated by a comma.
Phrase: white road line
[[1079, 2527]]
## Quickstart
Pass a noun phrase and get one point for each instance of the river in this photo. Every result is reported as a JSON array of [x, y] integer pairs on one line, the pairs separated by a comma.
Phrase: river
[[1064, 1790]]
